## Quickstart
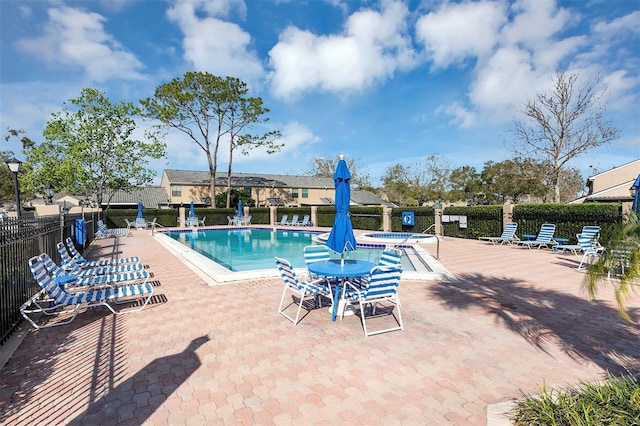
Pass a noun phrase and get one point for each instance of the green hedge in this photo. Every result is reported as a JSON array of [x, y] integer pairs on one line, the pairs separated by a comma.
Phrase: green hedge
[[568, 218], [482, 221]]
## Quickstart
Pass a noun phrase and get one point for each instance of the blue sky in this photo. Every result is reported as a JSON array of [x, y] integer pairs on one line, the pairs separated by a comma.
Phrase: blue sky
[[383, 82]]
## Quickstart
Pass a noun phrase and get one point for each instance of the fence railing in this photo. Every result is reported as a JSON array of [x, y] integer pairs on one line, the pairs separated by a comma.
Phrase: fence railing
[[21, 239]]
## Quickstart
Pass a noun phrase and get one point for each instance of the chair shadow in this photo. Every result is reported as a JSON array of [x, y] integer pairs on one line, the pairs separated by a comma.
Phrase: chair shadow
[[548, 319], [162, 377]]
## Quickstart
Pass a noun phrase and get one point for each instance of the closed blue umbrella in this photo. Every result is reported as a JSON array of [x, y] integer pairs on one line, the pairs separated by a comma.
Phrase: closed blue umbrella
[[341, 238], [192, 212], [636, 198], [140, 209], [239, 214]]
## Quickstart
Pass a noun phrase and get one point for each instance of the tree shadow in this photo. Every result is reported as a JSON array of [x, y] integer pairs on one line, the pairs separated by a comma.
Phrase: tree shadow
[[157, 380], [549, 319]]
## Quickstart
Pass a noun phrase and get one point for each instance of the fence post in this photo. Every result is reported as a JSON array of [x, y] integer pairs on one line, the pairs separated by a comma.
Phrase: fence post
[[386, 218], [314, 215], [273, 215], [437, 212], [507, 213]]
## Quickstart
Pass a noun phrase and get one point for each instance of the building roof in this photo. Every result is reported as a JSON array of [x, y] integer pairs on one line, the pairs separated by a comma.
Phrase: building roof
[[366, 198], [617, 168], [193, 177], [151, 196]]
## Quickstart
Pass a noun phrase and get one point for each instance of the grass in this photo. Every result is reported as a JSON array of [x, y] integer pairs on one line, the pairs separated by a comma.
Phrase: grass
[[615, 401]]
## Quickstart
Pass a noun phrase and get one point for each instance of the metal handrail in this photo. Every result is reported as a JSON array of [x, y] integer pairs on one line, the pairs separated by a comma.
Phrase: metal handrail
[[424, 232]]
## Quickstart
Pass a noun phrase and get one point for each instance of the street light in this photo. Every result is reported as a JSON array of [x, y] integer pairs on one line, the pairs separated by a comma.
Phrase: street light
[[15, 166], [48, 192]]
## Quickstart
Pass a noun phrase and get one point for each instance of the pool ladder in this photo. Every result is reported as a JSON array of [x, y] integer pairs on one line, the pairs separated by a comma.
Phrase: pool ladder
[[424, 232]]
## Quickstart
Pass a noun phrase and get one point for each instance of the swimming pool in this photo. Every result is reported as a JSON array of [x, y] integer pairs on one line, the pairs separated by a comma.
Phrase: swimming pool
[[248, 249], [190, 246]]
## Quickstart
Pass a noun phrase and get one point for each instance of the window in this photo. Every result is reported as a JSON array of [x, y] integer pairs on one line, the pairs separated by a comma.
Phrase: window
[[294, 193], [176, 191], [305, 193]]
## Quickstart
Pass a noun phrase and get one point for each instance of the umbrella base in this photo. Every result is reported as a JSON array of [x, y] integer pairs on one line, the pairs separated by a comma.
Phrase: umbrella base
[[343, 306]]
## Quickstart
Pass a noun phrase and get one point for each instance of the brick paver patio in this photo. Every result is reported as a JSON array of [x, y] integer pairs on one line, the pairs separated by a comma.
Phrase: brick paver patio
[[514, 320]]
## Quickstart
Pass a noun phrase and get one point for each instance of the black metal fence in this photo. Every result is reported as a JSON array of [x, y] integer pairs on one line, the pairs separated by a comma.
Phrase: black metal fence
[[19, 241]]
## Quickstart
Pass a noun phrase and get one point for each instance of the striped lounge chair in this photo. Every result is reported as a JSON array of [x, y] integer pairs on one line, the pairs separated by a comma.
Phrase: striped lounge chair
[[84, 263], [54, 299]]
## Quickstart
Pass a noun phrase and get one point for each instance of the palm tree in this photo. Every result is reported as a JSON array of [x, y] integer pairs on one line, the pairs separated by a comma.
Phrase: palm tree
[[621, 259]]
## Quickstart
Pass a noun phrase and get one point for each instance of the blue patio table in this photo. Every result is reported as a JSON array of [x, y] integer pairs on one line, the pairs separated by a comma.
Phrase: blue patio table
[[529, 237], [561, 242], [340, 268]]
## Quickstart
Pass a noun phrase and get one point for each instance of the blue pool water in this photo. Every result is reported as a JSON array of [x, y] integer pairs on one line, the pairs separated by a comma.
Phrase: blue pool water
[[247, 249]]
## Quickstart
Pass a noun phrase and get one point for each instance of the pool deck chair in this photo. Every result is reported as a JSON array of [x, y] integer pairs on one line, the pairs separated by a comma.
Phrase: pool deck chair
[[54, 299], [390, 256], [306, 221], [284, 221], [84, 263], [302, 289], [593, 232], [589, 249], [78, 279], [70, 265], [508, 235], [543, 239], [381, 288], [104, 232], [315, 253], [293, 221]]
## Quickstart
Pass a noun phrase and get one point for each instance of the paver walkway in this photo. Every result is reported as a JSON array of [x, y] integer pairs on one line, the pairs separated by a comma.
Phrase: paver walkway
[[201, 354]]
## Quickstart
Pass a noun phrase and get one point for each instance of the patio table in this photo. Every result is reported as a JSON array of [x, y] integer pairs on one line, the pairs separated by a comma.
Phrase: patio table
[[340, 268]]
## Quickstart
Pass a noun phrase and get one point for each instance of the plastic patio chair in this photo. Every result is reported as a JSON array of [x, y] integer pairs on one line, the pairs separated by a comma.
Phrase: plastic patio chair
[[82, 262], [390, 256], [381, 288], [543, 239], [54, 299], [302, 289], [69, 264], [508, 235]]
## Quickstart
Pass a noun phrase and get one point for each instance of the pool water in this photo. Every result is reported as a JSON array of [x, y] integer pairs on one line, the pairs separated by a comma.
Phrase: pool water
[[248, 249]]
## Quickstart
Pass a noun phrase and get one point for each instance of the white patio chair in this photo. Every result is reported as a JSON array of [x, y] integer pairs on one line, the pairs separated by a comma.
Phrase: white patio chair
[[302, 289], [381, 288]]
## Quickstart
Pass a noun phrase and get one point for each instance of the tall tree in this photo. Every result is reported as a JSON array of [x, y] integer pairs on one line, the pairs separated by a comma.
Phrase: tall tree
[[465, 184], [243, 114], [325, 167], [561, 124], [89, 148], [515, 178], [208, 109], [427, 180]]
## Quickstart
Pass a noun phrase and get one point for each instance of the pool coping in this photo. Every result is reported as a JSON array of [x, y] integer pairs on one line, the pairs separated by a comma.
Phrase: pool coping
[[215, 274]]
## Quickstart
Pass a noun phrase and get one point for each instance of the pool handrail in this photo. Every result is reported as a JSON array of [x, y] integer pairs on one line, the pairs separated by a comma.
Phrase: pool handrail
[[423, 232]]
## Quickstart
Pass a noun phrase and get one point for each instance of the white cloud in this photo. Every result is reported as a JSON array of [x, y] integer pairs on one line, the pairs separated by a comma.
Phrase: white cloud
[[372, 47], [461, 115], [296, 138], [620, 90], [459, 31], [74, 38], [534, 23], [628, 23], [213, 45]]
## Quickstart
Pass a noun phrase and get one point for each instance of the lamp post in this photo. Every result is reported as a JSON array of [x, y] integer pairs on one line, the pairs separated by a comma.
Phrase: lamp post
[[48, 192], [15, 166]]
